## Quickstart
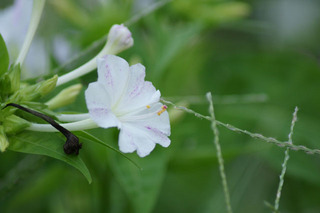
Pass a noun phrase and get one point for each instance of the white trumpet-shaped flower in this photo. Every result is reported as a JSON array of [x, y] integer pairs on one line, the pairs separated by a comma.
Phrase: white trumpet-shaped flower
[[122, 98]]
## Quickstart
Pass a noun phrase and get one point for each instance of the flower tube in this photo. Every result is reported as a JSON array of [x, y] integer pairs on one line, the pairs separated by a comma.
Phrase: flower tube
[[119, 39]]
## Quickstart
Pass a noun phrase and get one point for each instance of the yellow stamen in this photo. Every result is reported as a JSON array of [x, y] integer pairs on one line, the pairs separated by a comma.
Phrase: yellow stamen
[[148, 106], [163, 108]]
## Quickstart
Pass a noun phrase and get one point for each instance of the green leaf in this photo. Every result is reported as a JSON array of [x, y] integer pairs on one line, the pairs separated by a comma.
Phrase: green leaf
[[142, 187], [178, 39], [4, 56], [49, 144], [86, 136]]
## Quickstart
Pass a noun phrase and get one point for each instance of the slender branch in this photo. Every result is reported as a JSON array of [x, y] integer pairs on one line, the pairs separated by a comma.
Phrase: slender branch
[[284, 164], [219, 153], [222, 99], [271, 140]]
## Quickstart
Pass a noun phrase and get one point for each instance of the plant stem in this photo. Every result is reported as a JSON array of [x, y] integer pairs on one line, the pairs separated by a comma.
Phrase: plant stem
[[271, 140], [37, 9], [219, 153], [284, 164]]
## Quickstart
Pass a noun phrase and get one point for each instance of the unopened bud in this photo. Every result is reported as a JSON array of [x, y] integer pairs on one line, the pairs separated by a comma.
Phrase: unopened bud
[[48, 85], [65, 97], [3, 140], [14, 124], [4, 85], [14, 75], [119, 39], [31, 92]]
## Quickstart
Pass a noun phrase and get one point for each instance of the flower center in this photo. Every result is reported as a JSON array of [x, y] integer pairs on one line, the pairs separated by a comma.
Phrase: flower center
[[163, 108]]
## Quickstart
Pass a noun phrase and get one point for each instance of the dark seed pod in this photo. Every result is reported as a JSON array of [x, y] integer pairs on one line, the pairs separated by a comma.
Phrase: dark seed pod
[[72, 145]]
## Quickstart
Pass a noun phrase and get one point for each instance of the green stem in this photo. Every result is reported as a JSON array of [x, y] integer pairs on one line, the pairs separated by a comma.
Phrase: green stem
[[284, 164], [219, 153]]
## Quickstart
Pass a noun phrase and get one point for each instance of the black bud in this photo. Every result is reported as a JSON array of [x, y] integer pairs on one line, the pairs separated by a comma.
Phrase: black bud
[[72, 145]]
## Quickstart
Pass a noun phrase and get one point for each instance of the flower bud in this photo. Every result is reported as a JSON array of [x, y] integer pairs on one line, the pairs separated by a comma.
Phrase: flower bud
[[3, 140], [14, 124], [119, 39], [48, 85], [5, 85], [14, 75], [31, 92], [65, 97]]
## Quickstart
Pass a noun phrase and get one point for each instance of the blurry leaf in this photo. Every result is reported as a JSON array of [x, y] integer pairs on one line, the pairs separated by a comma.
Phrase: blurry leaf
[[142, 187], [212, 12], [40, 185], [300, 165], [4, 56], [49, 144], [175, 40], [86, 136]]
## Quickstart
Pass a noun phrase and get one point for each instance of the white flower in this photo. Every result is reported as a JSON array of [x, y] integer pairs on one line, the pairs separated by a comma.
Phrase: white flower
[[122, 98]]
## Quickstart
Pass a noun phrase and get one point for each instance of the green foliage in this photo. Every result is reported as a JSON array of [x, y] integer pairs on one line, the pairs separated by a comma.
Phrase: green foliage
[[212, 12], [88, 137], [4, 62], [49, 144], [189, 47], [141, 186]]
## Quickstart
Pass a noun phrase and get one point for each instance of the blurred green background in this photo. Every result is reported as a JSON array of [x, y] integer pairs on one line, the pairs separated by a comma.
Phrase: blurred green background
[[189, 47]]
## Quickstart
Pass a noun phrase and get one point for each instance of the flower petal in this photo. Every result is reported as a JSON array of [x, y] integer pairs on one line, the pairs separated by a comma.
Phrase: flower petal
[[139, 92], [98, 104], [142, 129], [113, 74], [132, 139]]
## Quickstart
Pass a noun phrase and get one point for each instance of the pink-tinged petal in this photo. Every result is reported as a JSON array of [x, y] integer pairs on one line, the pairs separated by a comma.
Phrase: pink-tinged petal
[[132, 138], [157, 136], [139, 92], [98, 104], [126, 141], [113, 74]]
